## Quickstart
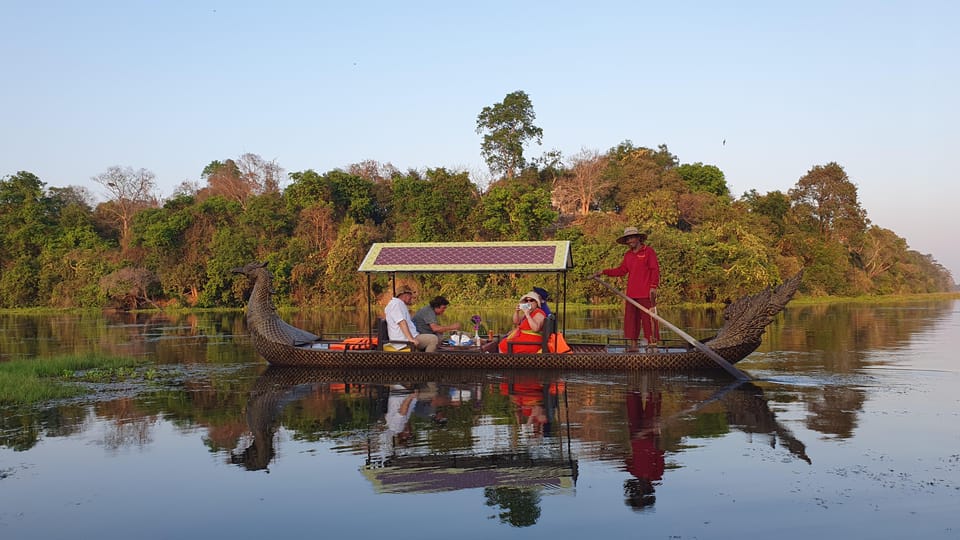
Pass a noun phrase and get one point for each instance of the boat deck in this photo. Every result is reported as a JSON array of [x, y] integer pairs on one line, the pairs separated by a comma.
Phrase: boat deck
[[592, 348]]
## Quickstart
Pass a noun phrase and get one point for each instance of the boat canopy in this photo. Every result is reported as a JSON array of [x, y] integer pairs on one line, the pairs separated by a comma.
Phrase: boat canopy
[[471, 257]]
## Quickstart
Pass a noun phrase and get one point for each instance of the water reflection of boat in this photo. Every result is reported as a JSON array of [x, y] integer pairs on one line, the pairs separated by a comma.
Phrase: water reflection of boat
[[489, 458], [280, 343], [516, 434], [523, 452]]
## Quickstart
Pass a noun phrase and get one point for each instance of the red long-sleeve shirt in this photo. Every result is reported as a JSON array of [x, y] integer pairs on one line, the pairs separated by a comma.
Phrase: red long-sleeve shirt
[[642, 269]]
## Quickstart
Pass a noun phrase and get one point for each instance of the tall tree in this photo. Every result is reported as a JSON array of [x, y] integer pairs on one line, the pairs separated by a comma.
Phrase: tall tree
[[25, 216], [772, 206], [26, 223], [506, 127], [240, 179], [373, 170], [581, 187], [130, 191], [826, 197], [74, 256]]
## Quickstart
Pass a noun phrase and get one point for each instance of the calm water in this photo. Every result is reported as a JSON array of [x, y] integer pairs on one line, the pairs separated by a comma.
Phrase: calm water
[[851, 429]]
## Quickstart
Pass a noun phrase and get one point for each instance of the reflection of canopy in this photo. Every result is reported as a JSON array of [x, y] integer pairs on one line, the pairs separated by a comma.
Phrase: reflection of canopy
[[431, 474]]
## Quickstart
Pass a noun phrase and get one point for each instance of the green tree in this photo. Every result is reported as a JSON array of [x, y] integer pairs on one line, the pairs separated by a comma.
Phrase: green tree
[[308, 188], [25, 215], [73, 260], [827, 198], [516, 212], [269, 221], [655, 208], [342, 283], [773, 206], [700, 177], [352, 196], [27, 224], [519, 506], [434, 208], [633, 172], [230, 248], [506, 127]]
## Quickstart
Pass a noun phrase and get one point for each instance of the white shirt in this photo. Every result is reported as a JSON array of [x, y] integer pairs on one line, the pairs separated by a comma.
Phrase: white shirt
[[395, 312]]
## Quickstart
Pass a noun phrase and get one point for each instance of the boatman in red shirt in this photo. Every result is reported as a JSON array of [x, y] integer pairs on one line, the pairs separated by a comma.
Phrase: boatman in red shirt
[[643, 277]]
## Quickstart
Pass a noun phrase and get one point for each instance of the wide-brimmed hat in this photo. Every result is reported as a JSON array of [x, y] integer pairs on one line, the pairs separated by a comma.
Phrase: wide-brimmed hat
[[631, 231], [405, 290], [533, 295]]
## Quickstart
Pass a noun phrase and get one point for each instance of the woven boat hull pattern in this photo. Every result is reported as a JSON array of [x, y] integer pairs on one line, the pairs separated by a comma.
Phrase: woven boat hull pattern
[[594, 358]]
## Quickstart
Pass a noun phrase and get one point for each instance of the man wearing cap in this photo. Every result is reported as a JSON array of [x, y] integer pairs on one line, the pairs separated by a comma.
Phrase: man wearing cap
[[400, 326], [642, 269]]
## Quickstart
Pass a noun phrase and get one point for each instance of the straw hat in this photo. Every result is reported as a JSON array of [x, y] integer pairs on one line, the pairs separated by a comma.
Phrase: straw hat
[[405, 290], [535, 296], [631, 231]]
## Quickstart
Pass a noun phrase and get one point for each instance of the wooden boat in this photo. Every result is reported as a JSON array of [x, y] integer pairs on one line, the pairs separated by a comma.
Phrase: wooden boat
[[282, 344]]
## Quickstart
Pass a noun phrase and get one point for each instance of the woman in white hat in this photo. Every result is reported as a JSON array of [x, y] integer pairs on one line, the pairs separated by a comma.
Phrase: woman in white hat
[[528, 319], [642, 269]]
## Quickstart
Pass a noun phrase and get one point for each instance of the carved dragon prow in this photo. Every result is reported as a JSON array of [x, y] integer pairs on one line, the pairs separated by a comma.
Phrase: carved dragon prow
[[746, 319], [262, 314]]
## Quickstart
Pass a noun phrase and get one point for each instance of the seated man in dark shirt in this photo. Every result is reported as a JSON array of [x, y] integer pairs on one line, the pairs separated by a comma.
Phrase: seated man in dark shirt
[[425, 319]]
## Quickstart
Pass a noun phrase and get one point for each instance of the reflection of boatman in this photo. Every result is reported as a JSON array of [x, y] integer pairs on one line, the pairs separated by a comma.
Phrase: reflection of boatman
[[646, 463]]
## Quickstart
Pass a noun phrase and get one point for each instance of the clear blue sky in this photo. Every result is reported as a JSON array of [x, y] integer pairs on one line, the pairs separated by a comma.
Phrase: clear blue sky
[[171, 85]]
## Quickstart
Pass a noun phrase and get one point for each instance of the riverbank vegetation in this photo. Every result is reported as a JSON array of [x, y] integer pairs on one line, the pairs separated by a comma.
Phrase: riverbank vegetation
[[136, 250], [30, 381]]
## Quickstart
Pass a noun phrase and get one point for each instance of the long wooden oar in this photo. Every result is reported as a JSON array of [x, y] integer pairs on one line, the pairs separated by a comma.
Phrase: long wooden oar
[[721, 361]]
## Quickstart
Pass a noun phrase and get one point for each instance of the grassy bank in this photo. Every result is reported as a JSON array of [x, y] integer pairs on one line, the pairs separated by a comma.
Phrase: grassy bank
[[880, 299], [30, 381]]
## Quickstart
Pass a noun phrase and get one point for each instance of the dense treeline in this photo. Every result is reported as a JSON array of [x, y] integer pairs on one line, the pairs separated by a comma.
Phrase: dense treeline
[[58, 249]]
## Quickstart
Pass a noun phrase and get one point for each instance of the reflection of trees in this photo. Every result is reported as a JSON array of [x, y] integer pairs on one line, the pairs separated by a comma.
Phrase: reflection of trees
[[834, 410], [520, 506], [164, 337], [841, 334], [827, 340], [18, 431], [21, 428], [129, 426], [214, 401]]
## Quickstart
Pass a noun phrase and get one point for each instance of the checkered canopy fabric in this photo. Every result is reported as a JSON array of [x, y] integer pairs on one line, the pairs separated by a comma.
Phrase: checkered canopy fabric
[[480, 257]]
